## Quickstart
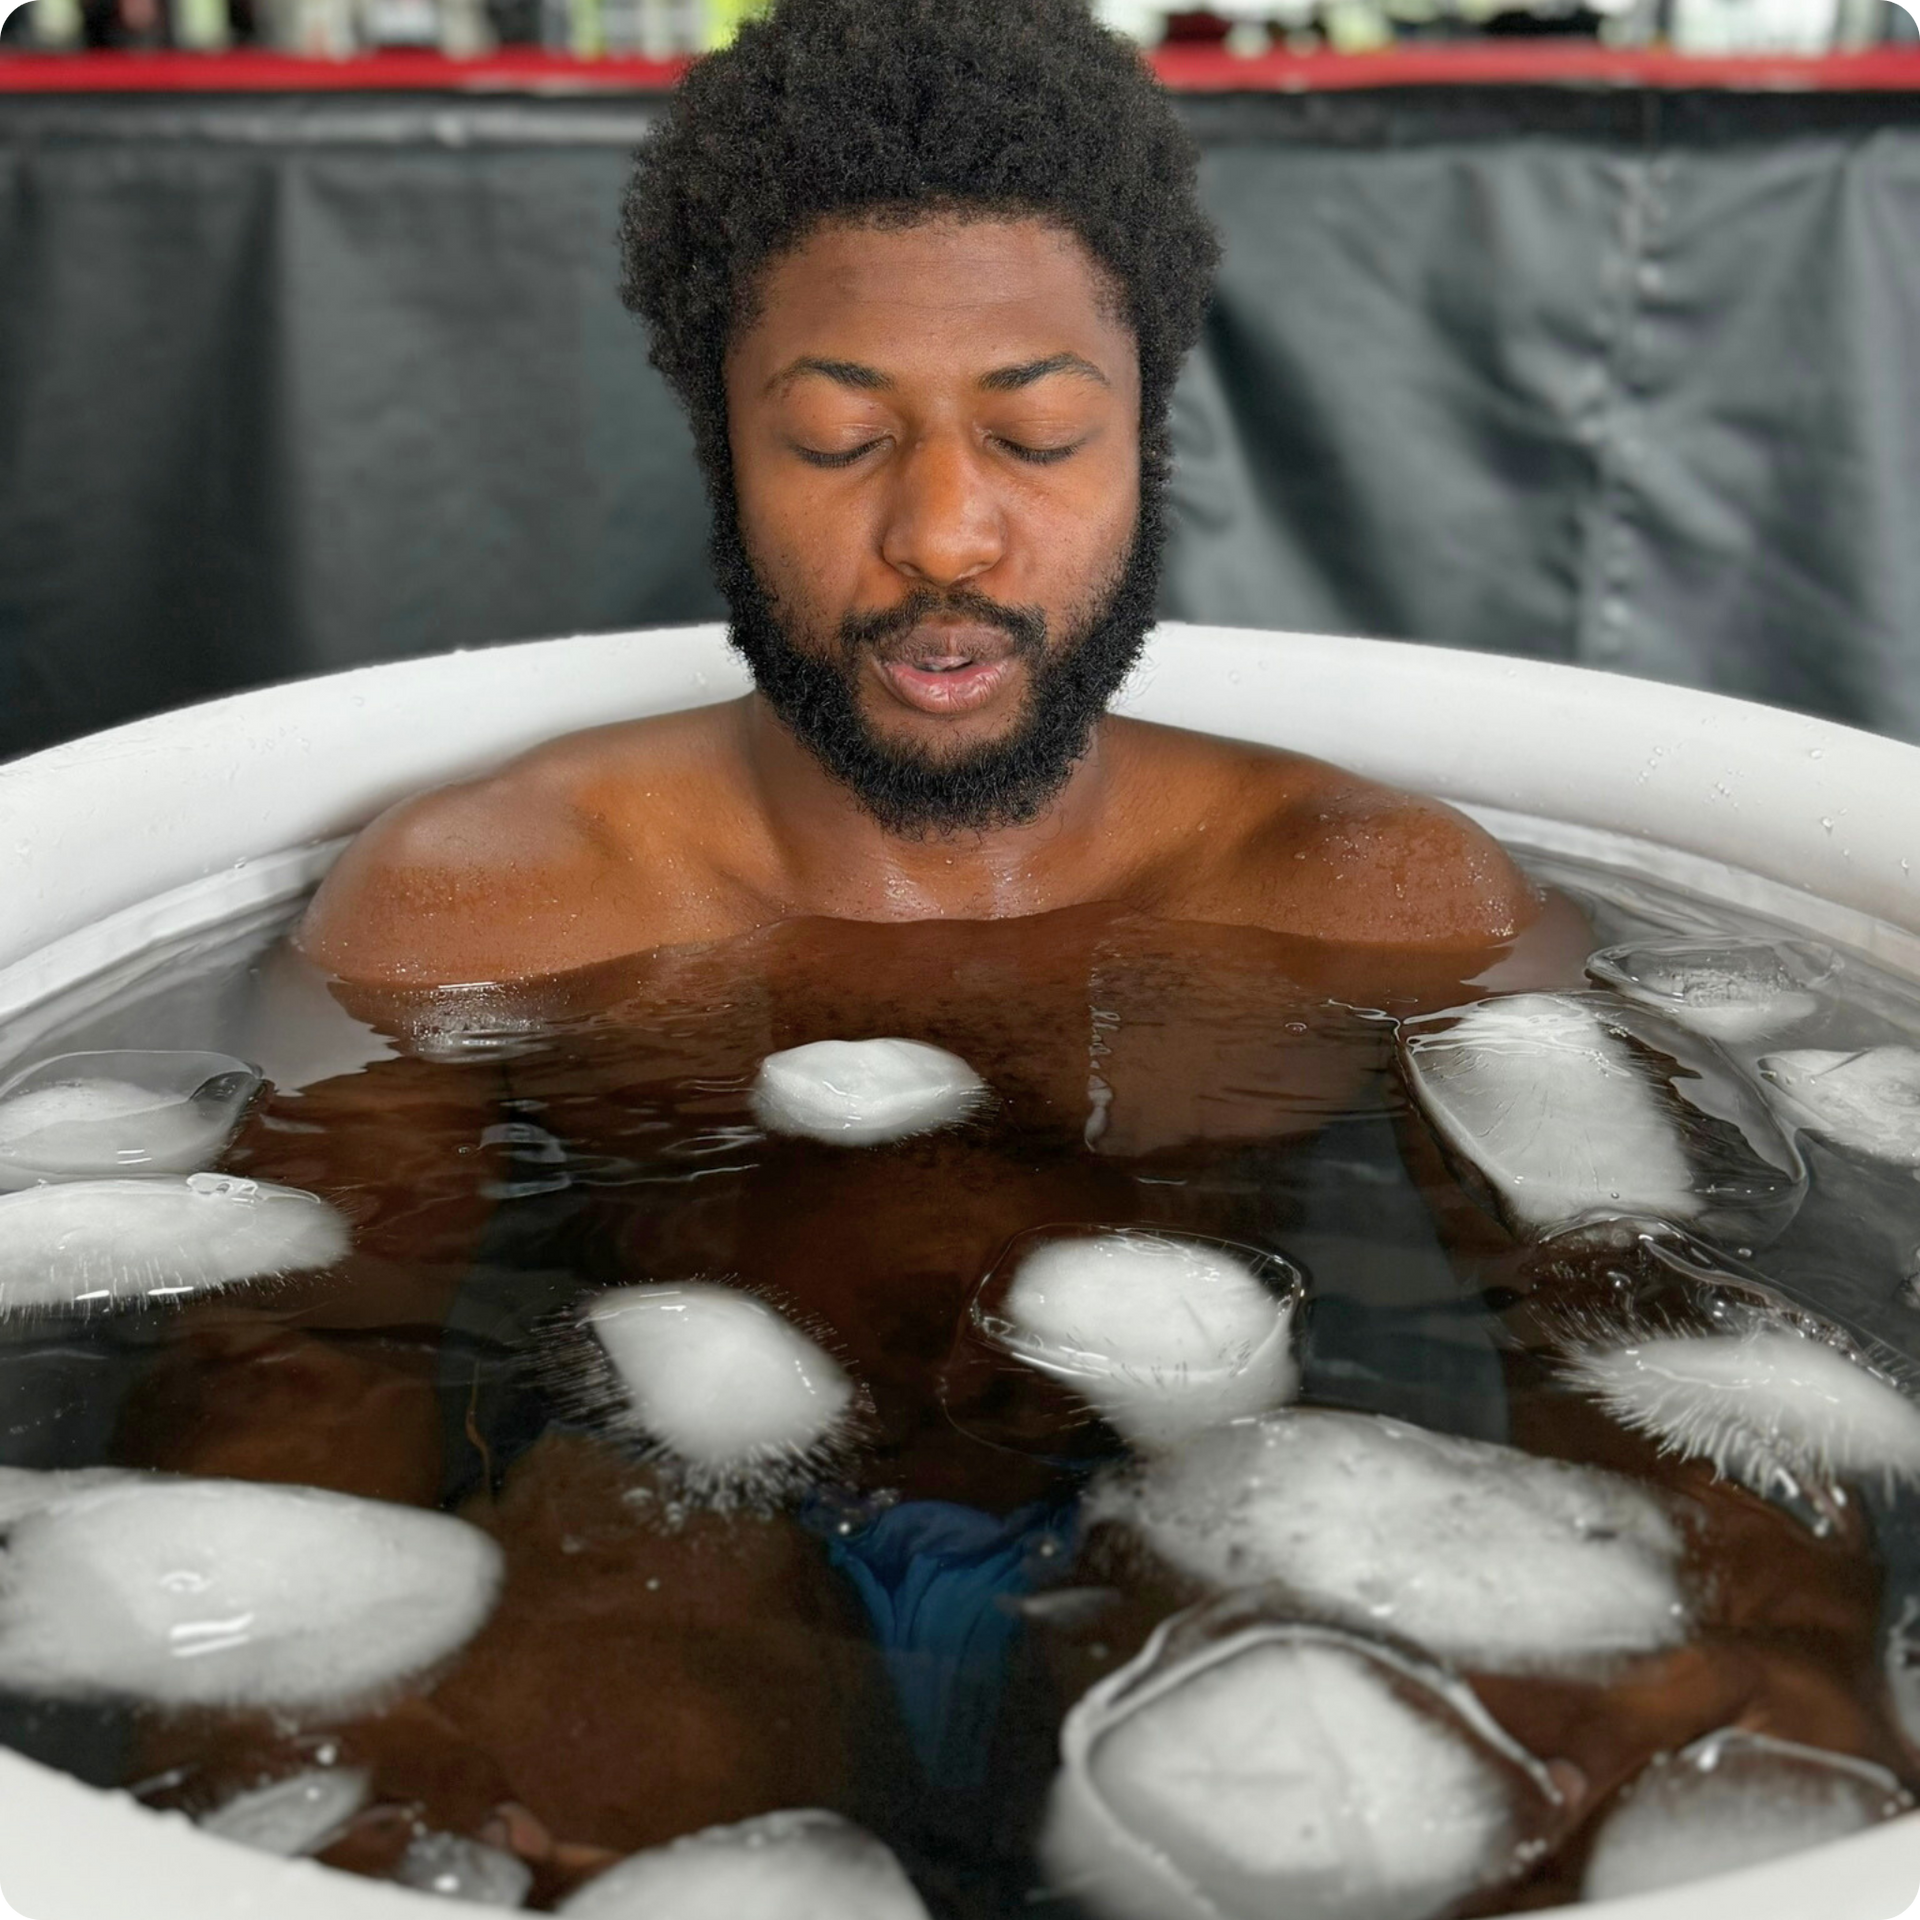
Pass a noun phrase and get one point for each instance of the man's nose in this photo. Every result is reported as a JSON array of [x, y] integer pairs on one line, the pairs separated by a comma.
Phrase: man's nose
[[945, 521]]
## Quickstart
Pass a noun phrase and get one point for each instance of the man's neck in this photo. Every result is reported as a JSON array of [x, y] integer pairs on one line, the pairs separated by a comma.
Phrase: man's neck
[[834, 857]]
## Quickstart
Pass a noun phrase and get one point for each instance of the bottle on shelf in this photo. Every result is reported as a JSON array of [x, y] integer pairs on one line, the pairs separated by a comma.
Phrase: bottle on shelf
[[197, 26], [466, 30], [1754, 26], [57, 26], [399, 23], [311, 29]]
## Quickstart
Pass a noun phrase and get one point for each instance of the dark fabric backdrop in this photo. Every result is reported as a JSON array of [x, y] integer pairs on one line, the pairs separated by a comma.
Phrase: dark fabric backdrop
[[1624, 378]]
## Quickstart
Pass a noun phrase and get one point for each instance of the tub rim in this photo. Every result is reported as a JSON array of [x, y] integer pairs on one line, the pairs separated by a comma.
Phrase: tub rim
[[1773, 795]]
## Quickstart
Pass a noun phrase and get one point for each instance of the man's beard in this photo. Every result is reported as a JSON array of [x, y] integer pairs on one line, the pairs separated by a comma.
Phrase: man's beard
[[1002, 783]]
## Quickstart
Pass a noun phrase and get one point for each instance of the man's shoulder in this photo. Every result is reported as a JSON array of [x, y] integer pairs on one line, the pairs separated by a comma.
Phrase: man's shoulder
[[1303, 846], [532, 868]]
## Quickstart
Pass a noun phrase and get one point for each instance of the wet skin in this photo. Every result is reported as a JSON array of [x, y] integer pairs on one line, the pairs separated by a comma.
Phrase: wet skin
[[978, 397]]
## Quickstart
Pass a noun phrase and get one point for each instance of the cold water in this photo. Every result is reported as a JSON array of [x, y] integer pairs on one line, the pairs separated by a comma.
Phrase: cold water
[[1197, 1423]]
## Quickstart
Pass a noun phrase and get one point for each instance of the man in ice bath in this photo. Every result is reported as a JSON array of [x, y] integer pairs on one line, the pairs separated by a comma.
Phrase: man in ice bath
[[923, 273]]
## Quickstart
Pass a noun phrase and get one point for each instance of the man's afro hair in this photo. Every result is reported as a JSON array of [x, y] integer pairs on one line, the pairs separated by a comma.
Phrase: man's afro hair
[[881, 108]]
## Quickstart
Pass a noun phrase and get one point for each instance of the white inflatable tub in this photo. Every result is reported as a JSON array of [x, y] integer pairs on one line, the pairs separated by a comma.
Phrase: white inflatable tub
[[148, 831]]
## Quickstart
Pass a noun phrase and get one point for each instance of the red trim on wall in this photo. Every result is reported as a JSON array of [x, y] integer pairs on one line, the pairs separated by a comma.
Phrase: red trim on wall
[[1186, 68]]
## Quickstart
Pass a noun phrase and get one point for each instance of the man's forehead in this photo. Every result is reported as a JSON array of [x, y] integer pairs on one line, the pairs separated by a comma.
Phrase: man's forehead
[[1019, 298]]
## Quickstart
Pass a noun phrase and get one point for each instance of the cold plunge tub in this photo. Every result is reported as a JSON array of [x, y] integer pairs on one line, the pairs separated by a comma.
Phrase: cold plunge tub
[[146, 833]]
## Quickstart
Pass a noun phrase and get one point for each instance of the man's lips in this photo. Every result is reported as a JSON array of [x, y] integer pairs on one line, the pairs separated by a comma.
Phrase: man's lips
[[948, 670]]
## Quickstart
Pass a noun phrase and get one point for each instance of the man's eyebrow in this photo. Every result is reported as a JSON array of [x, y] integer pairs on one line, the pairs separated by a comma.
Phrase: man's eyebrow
[[847, 373], [1012, 379], [864, 379]]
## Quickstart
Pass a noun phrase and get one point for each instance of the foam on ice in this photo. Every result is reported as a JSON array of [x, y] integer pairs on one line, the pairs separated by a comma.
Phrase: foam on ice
[[98, 1243], [1286, 1770], [1734, 1799], [1868, 1100], [1476, 1553], [1162, 1336], [855, 1093], [226, 1593], [1771, 1407], [804, 1865], [725, 1387]]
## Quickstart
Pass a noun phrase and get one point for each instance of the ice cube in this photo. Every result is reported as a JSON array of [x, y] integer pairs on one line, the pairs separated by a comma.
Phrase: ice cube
[[1900, 1663], [1162, 1334], [728, 1390], [224, 1593], [83, 1114], [297, 1815], [1477, 1553], [805, 1865], [458, 1869], [24, 1491], [1582, 1111], [1286, 1769], [1734, 1799], [1732, 990], [1776, 1408], [1868, 1100], [854, 1093], [98, 1243]]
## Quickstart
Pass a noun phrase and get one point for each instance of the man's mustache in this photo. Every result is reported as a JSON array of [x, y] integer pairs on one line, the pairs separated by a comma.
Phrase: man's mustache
[[1025, 626]]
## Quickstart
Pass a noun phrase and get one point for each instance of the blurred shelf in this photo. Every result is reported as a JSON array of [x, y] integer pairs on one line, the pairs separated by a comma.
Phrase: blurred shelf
[[523, 70], [1186, 68], [1534, 63]]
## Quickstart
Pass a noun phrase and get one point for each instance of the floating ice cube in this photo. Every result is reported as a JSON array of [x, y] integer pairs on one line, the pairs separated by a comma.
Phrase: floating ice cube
[[1477, 1553], [110, 1242], [783, 1866], [1162, 1334], [23, 1491], [1733, 990], [458, 1869], [1582, 1111], [1868, 1100], [1734, 1799], [852, 1093], [1287, 1769], [223, 1593], [297, 1815], [733, 1394], [128, 1113], [1900, 1662], [1770, 1406]]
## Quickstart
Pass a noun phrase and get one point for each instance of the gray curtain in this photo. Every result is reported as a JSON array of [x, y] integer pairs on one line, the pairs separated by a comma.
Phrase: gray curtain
[[1629, 379]]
